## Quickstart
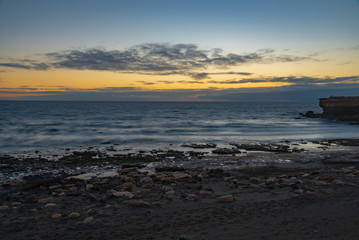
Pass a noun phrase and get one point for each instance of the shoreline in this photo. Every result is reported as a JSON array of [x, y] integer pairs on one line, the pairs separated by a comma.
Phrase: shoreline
[[270, 195]]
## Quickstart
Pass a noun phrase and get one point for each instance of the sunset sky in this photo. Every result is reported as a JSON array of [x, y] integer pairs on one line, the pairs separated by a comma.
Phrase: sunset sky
[[169, 50]]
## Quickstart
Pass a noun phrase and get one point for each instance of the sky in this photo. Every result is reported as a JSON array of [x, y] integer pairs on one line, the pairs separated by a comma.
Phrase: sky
[[160, 50]]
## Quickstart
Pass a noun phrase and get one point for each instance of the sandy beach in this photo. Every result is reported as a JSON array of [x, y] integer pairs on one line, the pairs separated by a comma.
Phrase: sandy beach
[[306, 195]]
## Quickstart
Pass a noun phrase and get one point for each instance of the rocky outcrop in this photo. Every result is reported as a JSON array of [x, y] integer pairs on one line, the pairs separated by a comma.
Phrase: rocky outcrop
[[339, 108]]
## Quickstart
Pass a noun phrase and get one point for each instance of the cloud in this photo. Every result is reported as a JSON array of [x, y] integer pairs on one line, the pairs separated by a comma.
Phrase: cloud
[[302, 89], [27, 65], [294, 80], [154, 59]]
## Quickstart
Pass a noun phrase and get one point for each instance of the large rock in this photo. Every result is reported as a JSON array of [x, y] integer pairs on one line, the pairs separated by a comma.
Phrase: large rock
[[341, 108]]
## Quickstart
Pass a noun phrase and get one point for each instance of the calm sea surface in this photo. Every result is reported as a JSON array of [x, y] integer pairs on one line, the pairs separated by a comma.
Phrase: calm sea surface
[[56, 127]]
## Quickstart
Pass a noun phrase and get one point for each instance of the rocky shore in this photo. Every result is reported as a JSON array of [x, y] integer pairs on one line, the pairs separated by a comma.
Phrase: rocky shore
[[250, 191]]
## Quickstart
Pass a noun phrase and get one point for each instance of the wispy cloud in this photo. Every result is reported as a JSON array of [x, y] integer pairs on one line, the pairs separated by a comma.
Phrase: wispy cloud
[[294, 80], [154, 58]]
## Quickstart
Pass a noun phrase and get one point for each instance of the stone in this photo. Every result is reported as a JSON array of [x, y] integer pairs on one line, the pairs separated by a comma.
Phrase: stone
[[232, 185], [227, 179], [179, 176], [50, 205], [56, 216], [256, 180], [88, 219], [91, 211], [225, 199], [203, 175], [338, 182], [15, 204], [46, 200], [125, 194], [89, 186], [166, 188], [191, 195], [147, 186], [138, 203], [199, 145], [14, 182], [271, 180], [4, 207], [52, 187], [128, 170], [146, 180], [226, 151], [326, 178], [74, 215], [319, 183], [130, 187], [204, 192]]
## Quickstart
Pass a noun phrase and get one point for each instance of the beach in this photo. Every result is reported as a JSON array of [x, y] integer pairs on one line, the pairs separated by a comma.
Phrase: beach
[[272, 193]]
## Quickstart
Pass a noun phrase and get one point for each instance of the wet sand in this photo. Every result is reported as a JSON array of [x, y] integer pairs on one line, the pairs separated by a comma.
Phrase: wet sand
[[306, 195]]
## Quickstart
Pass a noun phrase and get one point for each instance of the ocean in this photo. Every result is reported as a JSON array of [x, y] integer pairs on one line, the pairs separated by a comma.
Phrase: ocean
[[56, 128]]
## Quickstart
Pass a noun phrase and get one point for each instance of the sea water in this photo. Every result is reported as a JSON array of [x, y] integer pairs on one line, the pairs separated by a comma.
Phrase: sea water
[[40, 127]]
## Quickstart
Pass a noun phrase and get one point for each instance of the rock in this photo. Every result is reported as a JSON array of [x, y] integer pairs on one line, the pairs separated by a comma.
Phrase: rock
[[14, 182], [125, 194], [138, 203], [166, 188], [50, 205], [147, 186], [74, 215], [4, 207], [128, 170], [203, 175], [56, 216], [88, 219], [225, 199], [145, 180], [199, 145], [169, 169], [227, 179], [91, 211], [15, 204], [340, 108], [89, 186], [46, 200], [263, 147], [232, 185], [256, 180], [319, 183], [338, 182], [271, 180], [52, 187], [132, 165], [204, 192], [226, 151], [179, 176], [130, 187], [326, 178], [191, 195], [36, 183]]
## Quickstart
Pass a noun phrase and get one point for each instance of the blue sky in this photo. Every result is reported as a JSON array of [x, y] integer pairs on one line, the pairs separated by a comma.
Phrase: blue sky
[[324, 32]]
